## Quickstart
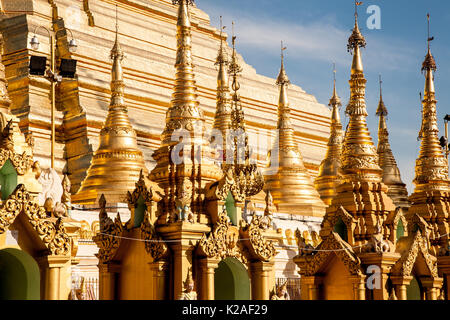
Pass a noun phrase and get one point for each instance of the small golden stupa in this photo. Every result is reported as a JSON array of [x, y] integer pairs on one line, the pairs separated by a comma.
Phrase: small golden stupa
[[391, 173], [431, 197], [117, 163], [328, 178], [287, 179], [222, 118]]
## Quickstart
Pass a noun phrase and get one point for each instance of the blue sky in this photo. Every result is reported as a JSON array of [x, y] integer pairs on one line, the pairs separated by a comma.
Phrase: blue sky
[[316, 34]]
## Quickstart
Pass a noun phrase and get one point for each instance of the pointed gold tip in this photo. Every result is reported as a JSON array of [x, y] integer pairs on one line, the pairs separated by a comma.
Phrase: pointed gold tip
[[357, 65], [335, 100], [183, 12], [282, 78], [429, 83], [381, 110]]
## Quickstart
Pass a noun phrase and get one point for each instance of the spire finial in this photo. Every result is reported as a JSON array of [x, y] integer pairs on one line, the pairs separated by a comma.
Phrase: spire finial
[[117, 20], [282, 77], [116, 51], [356, 39], [334, 72], [222, 27], [381, 110], [335, 101], [429, 39], [222, 55], [429, 63], [381, 84], [233, 39], [188, 2], [234, 68], [117, 55], [282, 52], [357, 3]]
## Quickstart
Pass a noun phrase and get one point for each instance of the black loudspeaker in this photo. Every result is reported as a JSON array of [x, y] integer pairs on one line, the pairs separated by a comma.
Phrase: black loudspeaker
[[68, 68], [443, 142], [447, 118], [38, 65]]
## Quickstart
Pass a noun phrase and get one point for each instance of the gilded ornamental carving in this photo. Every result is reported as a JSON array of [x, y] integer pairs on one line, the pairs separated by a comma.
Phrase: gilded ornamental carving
[[260, 246], [109, 238], [223, 241], [51, 232], [154, 244]]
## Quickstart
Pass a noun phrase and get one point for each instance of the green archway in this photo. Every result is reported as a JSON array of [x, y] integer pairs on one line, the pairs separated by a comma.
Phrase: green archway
[[139, 212], [8, 179], [341, 229], [19, 276], [400, 230], [230, 205], [231, 281], [413, 291]]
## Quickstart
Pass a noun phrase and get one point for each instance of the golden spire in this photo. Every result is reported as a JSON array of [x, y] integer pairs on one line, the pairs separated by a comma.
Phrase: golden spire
[[430, 199], [184, 104], [328, 178], [361, 194], [287, 179], [431, 165], [222, 119], [359, 157], [117, 163], [184, 175], [391, 173], [249, 176], [5, 102]]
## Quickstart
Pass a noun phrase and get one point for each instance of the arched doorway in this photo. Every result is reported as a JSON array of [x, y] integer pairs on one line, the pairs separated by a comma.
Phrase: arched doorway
[[231, 281], [413, 290], [341, 229], [19, 276]]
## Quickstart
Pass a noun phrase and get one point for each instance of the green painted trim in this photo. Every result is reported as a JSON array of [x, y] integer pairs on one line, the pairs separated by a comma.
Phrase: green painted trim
[[19, 276], [341, 229], [139, 212], [8, 179], [400, 230], [231, 281], [413, 291], [230, 205]]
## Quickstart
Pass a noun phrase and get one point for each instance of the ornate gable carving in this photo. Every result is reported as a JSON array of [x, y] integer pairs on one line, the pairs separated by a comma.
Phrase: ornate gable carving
[[21, 162], [153, 245], [406, 263], [148, 193], [108, 239], [333, 244], [220, 189], [223, 242], [330, 220], [52, 234], [259, 246]]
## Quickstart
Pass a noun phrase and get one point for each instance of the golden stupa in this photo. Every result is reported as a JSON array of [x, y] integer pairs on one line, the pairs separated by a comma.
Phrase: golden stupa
[[117, 163], [328, 178], [391, 173], [286, 178]]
